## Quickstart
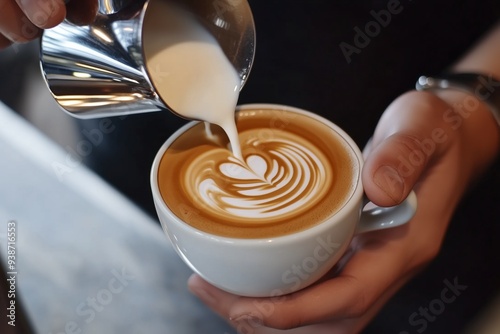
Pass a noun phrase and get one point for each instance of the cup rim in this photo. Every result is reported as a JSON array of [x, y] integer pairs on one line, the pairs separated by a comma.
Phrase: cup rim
[[315, 230]]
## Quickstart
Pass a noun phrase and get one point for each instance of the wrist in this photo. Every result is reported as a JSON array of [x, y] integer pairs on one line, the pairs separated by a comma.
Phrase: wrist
[[478, 132]]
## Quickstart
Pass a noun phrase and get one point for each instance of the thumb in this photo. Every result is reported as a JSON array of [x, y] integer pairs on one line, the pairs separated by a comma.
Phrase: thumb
[[393, 168], [406, 141]]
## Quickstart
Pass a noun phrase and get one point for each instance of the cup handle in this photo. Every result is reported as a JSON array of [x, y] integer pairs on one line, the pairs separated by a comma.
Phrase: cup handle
[[378, 218]]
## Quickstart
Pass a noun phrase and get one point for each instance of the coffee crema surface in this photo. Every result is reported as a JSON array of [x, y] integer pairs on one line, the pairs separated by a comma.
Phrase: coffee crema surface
[[296, 173]]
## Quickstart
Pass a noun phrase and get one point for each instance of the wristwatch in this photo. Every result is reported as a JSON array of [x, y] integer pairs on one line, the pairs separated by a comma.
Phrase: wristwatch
[[484, 87]]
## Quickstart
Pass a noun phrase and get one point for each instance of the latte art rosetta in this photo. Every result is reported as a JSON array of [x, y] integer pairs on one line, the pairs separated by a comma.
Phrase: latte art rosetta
[[295, 172], [282, 175]]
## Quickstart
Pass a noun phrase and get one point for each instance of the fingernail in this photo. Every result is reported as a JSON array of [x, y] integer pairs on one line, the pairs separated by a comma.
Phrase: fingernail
[[249, 318], [390, 182]]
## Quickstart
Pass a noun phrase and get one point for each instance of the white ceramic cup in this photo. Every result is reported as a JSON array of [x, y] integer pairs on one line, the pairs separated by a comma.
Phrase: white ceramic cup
[[279, 265]]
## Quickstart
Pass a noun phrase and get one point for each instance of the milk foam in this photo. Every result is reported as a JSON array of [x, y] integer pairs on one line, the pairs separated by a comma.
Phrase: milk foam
[[190, 71]]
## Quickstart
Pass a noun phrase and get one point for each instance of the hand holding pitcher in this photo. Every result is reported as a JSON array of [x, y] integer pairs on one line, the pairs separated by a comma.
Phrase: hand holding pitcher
[[22, 21]]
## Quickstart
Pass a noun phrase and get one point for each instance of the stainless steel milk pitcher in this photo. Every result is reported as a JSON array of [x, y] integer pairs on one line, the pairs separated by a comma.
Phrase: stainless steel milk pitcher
[[99, 70]]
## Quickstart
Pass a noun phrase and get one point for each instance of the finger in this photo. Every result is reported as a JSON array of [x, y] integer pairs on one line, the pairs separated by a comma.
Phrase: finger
[[218, 300], [410, 136], [43, 13], [82, 12], [222, 302], [14, 25]]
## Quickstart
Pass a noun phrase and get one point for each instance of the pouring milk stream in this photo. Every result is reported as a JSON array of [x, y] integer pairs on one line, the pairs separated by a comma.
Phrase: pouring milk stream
[[202, 84]]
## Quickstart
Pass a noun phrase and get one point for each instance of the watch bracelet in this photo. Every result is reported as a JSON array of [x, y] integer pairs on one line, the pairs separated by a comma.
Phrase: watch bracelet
[[484, 87]]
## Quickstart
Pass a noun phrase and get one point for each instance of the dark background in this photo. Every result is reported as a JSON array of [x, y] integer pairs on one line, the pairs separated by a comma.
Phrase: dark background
[[299, 62]]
